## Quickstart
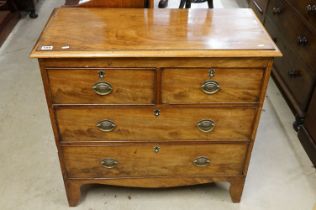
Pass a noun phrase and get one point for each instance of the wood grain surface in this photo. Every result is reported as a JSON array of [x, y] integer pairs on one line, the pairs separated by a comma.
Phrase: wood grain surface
[[74, 86], [183, 86], [140, 124], [154, 33], [74, 184], [141, 160]]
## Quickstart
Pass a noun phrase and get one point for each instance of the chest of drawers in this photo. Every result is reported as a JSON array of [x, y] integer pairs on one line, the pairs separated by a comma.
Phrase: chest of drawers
[[154, 98]]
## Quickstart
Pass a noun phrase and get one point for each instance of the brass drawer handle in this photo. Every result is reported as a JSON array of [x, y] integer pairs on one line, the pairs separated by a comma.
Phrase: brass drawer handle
[[106, 125], [210, 87], [201, 161], [102, 88], [206, 125], [109, 163]]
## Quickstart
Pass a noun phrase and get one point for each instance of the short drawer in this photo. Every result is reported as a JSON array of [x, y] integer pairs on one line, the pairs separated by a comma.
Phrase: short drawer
[[150, 124], [139, 160], [97, 86], [211, 85]]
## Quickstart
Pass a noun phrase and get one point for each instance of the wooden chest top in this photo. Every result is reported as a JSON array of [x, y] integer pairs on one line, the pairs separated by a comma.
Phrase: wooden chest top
[[96, 32]]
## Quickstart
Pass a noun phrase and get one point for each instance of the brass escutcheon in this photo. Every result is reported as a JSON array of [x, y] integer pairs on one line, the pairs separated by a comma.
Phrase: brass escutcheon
[[156, 149], [156, 112]]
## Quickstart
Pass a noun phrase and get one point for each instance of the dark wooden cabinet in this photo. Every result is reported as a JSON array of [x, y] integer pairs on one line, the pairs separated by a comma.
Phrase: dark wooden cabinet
[[8, 18], [292, 25], [307, 132], [28, 6]]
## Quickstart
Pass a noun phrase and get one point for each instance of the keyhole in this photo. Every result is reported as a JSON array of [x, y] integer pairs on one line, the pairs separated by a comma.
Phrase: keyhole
[[157, 112], [211, 72], [156, 149], [101, 74]]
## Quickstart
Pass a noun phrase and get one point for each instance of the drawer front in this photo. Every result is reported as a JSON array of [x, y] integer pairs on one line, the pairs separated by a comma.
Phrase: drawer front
[[307, 8], [139, 160], [142, 124], [299, 38], [111, 86], [187, 86], [291, 69]]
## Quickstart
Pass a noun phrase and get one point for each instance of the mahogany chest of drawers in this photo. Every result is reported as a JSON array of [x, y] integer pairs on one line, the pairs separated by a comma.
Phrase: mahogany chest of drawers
[[154, 98]]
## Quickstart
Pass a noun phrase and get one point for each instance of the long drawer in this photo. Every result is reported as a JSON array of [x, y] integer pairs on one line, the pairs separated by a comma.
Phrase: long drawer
[[211, 85], [143, 160], [150, 124], [97, 86]]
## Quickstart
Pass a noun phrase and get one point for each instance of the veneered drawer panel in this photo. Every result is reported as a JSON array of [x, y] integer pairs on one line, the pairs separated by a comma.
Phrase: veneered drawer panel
[[129, 86], [141, 124], [184, 86], [139, 160]]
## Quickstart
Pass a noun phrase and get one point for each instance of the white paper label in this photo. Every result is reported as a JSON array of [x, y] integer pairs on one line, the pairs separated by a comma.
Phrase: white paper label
[[47, 48]]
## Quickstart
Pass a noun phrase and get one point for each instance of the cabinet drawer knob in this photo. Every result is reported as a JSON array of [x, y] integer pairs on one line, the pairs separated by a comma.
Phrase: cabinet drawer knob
[[201, 161], [106, 125], [302, 40], [276, 10], [206, 125], [102, 88], [293, 73], [109, 163], [311, 8], [210, 87]]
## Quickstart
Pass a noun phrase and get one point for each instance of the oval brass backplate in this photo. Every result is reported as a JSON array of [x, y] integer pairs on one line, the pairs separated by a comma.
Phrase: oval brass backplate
[[109, 163], [201, 161], [206, 125], [106, 125], [210, 87], [102, 88]]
